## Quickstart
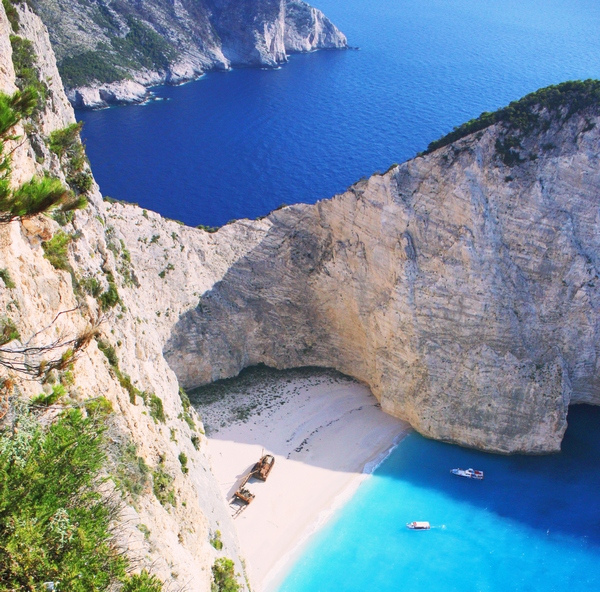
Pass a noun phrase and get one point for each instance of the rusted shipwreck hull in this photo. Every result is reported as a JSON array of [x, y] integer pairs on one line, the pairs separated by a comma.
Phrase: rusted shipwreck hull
[[263, 467], [260, 471]]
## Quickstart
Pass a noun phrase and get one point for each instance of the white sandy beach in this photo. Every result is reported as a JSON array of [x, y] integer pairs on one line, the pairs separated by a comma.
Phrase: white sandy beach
[[323, 430]]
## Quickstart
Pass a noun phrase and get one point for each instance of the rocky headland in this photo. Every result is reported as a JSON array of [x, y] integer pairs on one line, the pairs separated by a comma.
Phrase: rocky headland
[[110, 52], [461, 286]]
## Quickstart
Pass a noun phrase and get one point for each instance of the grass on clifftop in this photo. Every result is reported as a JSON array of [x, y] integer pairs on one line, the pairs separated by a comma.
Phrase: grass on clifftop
[[560, 100]]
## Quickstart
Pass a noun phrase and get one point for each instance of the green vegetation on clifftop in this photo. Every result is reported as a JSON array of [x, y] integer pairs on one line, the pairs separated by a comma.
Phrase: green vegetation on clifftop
[[54, 525], [525, 115], [141, 48], [87, 67]]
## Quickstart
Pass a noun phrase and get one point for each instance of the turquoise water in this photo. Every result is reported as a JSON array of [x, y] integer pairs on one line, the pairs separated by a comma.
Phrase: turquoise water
[[239, 144], [533, 523]]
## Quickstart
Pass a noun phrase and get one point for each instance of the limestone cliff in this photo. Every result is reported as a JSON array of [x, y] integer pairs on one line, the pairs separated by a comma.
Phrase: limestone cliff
[[461, 286], [109, 51], [47, 305]]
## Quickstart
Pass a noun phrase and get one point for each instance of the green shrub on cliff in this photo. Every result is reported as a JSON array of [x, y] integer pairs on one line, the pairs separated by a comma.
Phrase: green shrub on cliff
[[36, 196], [54, 525], [144, 46], [110, 298], [8, 331], [12, 14], [13, 108], [87, 67], [55, 250], [65, 142], [67, 145], [162, 486], [224, 579], [143, 582], [132, 474], [157, 411], [27, 74], [39, 194], [183, 459], [215, 540], [44, 400], [8, 281], [113, 361]]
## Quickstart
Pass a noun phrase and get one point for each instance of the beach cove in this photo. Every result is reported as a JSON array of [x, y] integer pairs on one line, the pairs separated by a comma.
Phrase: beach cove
[[327, 433], [322, 521], [239, 144]]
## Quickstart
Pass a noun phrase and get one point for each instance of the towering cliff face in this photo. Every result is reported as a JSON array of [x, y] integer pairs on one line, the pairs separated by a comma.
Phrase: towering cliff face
[[463, 290], [110, 50], [48, 305]]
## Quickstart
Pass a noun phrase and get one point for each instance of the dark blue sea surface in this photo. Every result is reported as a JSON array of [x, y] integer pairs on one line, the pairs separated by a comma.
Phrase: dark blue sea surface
[[241, 143], [532, 525]]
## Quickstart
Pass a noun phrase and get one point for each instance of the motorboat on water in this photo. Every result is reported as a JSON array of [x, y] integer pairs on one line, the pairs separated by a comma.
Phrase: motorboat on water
[[418, 525], [468, 473]]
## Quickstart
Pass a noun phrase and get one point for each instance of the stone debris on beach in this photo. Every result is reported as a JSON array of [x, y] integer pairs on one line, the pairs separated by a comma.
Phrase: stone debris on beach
[[257, 392]]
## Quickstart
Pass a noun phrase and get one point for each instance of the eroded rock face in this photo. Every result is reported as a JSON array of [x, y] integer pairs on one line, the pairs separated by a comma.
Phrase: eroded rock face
[[307, 28], [45, 306], [188, 38], [463, 291]]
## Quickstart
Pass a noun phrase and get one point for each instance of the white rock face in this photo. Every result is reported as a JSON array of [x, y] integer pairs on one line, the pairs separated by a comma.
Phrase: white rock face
[[211, 35], [44, 306], [115, 93], [308, 28], [7, 71], [465, 293]]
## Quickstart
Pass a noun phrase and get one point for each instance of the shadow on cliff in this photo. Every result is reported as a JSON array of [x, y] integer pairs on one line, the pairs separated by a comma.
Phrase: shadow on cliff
[[557, 493]]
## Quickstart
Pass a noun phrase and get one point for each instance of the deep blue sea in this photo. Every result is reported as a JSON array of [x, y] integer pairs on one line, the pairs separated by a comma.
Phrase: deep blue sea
[[532, 525], [241, 143]]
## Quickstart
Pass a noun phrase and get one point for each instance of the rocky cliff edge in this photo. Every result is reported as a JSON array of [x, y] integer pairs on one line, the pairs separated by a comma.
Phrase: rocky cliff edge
[[171, 506]]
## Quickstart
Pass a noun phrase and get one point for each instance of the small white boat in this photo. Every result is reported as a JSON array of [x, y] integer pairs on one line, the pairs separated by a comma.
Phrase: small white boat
[[418, 525], [469, 473]]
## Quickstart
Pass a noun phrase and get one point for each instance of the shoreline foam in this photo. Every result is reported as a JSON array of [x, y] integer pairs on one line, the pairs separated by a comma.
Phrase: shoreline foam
[[277, 574], [327, 433]]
